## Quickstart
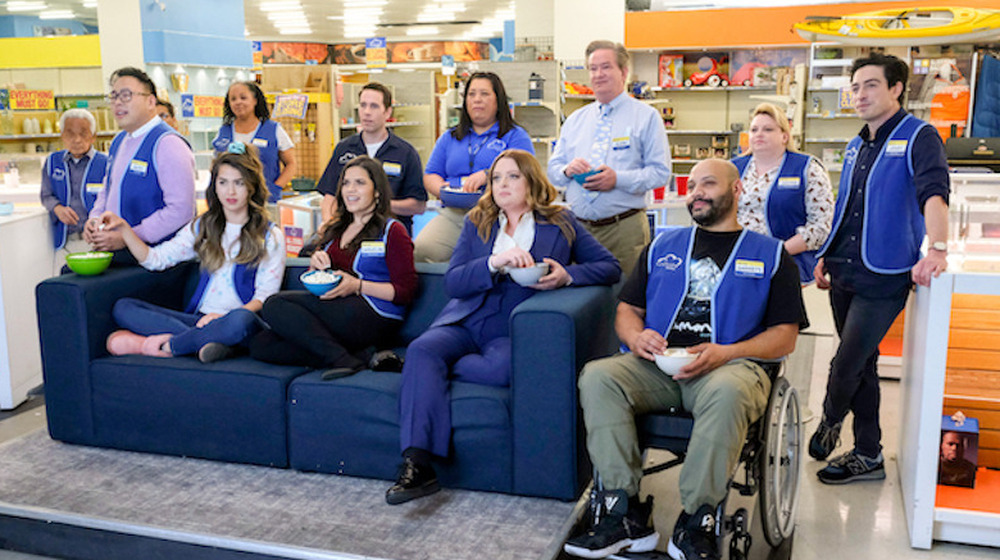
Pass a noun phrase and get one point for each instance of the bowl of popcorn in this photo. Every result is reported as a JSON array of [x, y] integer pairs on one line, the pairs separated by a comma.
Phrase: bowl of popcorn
[[89, 263], [320, 282], [673, 359]]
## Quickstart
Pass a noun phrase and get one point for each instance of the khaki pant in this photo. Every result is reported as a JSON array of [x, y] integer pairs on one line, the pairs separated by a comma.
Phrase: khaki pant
[[436, 241], [625, 239], [724, 402]]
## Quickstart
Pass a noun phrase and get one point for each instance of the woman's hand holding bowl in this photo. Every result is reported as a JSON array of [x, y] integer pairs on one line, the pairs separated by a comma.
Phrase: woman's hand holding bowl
[[556, 278], [474, 182]]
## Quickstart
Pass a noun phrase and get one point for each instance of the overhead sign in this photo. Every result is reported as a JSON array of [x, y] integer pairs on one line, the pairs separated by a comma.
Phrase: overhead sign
[[292, 106], [201, 105], [376, 53], [32, 99]]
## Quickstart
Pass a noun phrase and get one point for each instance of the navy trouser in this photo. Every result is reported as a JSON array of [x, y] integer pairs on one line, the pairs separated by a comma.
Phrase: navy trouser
[[232, 329], [424, 402], [853, 383]]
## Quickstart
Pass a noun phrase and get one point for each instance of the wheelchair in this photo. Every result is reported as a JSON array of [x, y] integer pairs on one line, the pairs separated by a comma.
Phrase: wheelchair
[[769, 467]]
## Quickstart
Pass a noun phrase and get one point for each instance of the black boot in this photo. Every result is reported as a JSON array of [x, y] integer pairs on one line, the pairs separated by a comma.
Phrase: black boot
[[415, 480]]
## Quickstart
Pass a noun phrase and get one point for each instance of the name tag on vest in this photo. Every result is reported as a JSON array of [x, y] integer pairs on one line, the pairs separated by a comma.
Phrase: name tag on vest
[[746, 268], [372, 249], [895, 147], [789, 182], [392, 169], [259, 142], [138, 167], [94, 188]]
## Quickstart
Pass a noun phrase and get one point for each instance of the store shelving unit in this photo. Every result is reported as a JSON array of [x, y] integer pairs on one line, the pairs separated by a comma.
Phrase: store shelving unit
[[412, 108]]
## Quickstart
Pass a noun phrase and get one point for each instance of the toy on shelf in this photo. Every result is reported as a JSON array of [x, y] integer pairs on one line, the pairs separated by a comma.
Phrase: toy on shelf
[[709, 69], [671, 70], [573, 88]]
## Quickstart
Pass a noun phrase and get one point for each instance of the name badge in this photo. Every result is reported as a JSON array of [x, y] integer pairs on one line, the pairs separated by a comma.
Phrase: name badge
[[749, 269], [259, 142], [895, 147], [789, 182], [392, 169], [138, 167], [621, 143], [94, 188], [372, 249]]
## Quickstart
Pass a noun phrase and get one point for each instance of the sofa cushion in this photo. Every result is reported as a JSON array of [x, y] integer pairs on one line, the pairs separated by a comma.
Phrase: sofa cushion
[[232, 410], [351, 426]]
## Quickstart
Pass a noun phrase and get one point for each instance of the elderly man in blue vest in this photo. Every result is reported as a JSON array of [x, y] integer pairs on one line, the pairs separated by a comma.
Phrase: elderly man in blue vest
[[730, 297], [893, 188], [151, 176], [71, 179]]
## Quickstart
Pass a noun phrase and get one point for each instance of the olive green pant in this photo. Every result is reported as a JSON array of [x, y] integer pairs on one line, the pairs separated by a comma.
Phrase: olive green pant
[[436, 241], [724, 402], [625, 239]]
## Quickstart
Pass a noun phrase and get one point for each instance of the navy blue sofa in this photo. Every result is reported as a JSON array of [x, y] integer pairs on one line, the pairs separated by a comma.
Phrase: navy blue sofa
[[526, 439]]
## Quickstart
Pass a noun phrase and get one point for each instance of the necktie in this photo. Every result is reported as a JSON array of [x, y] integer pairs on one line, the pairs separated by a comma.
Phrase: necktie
[[602, 141]]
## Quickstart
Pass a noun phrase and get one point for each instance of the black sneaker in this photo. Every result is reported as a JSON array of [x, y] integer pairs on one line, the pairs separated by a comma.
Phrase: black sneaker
[[624, 526], [414, 481], [695, 536], [851, 467], [824, 441]]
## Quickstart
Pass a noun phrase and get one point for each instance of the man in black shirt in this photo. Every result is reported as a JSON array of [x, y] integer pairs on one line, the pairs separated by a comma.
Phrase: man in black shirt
[[728, 295], [893, 189]]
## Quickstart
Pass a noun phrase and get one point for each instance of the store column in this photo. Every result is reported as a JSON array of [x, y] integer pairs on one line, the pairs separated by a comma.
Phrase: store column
[[120, 30], [578, 22]]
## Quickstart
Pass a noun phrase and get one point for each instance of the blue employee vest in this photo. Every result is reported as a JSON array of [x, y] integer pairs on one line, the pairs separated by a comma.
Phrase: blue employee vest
[[785, 207], [266, 142], [893, 227], [369, 264], [738, 301], [139, 188], [59, 177], [244, 278]]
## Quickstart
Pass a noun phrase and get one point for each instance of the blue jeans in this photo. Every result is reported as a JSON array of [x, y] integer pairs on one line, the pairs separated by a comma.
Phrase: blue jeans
[[853, 384], [232, 329]]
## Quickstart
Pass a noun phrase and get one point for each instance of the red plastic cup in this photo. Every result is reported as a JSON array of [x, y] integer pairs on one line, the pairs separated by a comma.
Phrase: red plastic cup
[[682, 185], [659, 194]]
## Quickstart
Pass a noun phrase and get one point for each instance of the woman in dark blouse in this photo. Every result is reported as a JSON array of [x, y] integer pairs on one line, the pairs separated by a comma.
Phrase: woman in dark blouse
[[374, 255]]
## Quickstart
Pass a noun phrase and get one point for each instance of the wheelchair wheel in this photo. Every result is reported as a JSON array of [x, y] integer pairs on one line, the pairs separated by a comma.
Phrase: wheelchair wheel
[[779, 489]]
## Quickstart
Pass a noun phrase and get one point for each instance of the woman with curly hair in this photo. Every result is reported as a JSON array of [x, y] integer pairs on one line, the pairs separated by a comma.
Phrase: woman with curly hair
[[514, 225], [242, 258]]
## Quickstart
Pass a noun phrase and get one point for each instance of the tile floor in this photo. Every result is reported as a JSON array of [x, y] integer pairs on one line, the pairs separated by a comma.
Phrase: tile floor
[[863, 520]]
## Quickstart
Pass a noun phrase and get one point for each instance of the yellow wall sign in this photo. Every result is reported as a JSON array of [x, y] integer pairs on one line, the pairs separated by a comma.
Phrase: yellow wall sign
[[208, 106], [32, 99]]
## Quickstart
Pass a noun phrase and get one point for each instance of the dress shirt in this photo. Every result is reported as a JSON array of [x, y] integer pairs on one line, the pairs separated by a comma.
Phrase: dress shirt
[[638, 155], [524, 235]]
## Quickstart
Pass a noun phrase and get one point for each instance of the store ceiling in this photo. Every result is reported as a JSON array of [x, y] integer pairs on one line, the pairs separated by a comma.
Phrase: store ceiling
[[336, 20]]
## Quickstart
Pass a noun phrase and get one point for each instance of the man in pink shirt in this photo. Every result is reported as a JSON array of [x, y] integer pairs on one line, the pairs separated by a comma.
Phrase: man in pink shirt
[[152, 170]]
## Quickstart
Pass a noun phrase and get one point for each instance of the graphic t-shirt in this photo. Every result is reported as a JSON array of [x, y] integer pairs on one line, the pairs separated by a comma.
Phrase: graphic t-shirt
[[693, 324]]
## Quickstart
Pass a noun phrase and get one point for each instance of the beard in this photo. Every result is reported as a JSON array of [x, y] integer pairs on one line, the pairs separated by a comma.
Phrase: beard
[[717, 210]]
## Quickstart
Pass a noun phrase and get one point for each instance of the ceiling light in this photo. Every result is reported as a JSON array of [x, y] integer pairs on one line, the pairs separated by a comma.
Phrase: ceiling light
[[15, 6], [422, 31], [273, 6], [56, 14], [363, 12], [89, 3]]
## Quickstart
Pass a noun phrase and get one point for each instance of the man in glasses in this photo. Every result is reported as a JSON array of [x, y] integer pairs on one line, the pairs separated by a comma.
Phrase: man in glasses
[[150, 180]]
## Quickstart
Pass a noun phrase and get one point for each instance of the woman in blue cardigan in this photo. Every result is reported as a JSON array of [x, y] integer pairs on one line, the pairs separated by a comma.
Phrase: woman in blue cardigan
[[514, 225]]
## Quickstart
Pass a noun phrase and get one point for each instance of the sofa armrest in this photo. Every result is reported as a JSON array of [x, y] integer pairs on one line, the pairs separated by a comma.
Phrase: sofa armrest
[[74, 320], [553, 334]]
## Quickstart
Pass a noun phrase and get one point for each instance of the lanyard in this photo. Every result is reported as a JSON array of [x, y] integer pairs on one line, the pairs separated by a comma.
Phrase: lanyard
[[474, 151]]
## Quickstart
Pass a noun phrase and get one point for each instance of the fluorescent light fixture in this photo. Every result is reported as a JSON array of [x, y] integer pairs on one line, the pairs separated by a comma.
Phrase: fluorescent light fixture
[[422, 31], [15, 6], [56, 14], [363, 12], [276, 5], [89, 3], [358, 32]]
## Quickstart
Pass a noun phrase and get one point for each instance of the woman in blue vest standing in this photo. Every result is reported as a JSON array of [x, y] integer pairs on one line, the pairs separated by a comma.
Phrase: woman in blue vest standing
[[242, 258], [373, 255], [462, 157], [786, 194], [246, 119], [514, 225]]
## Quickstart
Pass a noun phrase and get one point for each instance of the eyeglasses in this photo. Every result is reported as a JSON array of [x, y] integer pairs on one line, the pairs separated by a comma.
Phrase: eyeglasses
[[124, 95]]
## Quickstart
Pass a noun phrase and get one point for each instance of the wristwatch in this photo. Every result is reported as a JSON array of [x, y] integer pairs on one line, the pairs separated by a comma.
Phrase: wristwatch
[[940, 246]]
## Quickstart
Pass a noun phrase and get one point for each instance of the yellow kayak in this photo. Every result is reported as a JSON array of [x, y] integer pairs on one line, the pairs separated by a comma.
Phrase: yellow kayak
[[904, 27]]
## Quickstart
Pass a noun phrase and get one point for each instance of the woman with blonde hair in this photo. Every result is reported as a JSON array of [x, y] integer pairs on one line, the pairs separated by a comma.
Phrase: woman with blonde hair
[[786, 194], [514, 225]]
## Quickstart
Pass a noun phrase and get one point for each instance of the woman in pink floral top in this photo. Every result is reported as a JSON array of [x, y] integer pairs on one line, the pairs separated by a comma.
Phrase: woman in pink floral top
[[786, 194]]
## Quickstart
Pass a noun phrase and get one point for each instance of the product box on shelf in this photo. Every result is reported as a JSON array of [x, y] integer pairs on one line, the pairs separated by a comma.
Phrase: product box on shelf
[[671, 70], [959, 453]]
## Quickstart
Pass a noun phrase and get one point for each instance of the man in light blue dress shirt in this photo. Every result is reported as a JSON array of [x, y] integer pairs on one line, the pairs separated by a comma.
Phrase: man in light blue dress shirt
[[609, 154]]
